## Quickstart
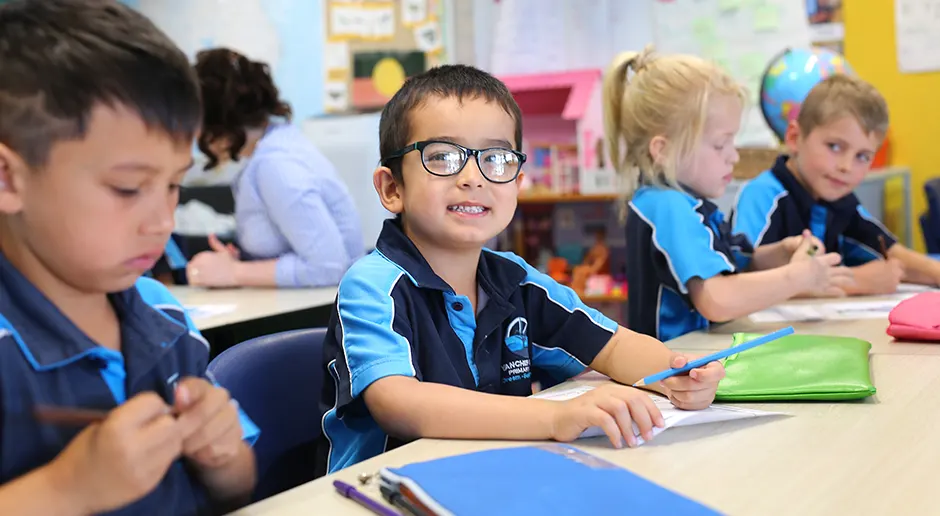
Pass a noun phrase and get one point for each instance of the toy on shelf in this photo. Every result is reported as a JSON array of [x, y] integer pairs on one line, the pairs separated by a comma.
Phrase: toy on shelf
[[596, 262]]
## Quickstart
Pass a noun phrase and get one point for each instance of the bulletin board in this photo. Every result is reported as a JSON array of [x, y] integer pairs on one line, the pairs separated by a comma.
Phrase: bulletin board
[[372, 46], [743, 36]]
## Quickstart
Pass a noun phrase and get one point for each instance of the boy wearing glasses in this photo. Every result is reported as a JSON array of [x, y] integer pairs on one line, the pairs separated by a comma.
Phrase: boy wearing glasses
[[434, 336]]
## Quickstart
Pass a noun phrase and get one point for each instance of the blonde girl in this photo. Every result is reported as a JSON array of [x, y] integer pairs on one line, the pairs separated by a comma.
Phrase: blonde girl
[[670, 123]]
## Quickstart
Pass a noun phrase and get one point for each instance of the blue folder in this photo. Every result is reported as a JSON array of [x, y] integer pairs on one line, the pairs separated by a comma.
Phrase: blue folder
[[545, 480]]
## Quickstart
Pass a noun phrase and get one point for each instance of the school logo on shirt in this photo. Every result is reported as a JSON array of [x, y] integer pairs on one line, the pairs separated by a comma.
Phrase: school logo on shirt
[[516, 365]]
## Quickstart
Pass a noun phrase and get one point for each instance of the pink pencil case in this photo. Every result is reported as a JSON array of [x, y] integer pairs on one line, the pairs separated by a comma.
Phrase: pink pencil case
[[916, 318]]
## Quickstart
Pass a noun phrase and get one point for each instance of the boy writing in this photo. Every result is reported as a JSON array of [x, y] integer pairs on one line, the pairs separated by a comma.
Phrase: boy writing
[[832, 142], [434, 336], [99, 110]]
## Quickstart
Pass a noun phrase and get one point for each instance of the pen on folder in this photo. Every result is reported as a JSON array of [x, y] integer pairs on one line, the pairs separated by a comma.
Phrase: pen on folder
[[399, 500], [700, 362], [355, 495]]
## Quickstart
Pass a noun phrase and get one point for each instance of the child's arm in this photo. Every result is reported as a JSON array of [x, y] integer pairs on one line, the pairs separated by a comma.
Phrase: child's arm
[[917, 267], [726, 297], [107, 466], [39, 493], [876, 277], [408, 408]]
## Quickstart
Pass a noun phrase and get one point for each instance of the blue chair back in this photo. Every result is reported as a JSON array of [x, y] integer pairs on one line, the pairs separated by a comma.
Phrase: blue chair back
[[930, 221], [931, 234], [277, 380]]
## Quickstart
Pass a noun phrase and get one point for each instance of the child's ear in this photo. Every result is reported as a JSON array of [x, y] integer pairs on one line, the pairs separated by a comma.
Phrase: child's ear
[[658, 148], [792, 137], [390, 191], [12, 170]]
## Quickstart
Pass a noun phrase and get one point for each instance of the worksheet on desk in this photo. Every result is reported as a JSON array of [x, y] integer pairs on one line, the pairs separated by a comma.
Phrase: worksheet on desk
[[672, 416], [833, 310], [197, 312]]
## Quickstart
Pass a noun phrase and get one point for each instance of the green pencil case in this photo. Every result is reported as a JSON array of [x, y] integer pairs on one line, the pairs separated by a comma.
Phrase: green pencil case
[[798, 367]]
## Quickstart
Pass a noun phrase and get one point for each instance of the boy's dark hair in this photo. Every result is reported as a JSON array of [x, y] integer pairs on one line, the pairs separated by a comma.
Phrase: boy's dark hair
[[237, 93], [61, 58], [459, 81]]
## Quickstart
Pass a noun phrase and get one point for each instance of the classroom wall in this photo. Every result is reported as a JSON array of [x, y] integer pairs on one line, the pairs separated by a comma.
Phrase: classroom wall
[[915, 113]]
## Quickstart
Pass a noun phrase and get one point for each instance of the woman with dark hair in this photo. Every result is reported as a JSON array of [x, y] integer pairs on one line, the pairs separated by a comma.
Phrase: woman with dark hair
[[295, 217]]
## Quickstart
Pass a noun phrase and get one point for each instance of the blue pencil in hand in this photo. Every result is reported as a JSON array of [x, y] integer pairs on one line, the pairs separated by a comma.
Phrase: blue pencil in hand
[[701, 362]]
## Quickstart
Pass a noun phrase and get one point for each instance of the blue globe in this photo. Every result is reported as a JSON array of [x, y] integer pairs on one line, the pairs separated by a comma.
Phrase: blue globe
[[788, 80]]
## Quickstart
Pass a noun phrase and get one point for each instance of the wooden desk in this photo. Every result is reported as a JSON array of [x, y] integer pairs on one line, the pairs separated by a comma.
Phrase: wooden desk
[[257, 312], [252, 304], [877, 456]]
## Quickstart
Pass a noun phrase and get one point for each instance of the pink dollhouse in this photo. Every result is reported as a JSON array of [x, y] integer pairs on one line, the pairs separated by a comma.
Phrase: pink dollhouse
[[564, 130]]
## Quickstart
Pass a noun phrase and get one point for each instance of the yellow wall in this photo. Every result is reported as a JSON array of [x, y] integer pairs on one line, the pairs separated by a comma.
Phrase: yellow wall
[[913, 99]]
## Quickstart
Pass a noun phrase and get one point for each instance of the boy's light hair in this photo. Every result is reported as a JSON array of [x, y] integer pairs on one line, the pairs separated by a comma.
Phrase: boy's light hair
[[646, 95], [842, 95]]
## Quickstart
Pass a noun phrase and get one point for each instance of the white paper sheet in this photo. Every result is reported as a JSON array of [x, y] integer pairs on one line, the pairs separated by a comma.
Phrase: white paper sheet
[[413, 11], [428, 37], [336, 55], [917, 30], [831, 311], [197, 312], [672, 416]]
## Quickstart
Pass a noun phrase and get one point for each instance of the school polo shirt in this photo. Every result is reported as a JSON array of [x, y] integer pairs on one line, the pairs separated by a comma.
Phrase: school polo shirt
[[673, 237], [46, 360], [774, 206], [395, 317]]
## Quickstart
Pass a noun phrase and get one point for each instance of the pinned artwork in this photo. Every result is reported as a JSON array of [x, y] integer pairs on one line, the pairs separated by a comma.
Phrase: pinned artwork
[[378, 75], [428, 37]]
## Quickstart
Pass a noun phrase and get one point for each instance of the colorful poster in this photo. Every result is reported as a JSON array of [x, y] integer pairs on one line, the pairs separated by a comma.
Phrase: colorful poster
[[826, 23]]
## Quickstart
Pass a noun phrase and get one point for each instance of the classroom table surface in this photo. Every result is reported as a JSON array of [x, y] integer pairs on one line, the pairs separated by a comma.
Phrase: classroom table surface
[[249, 304], [872, 330], [877, 456], [874, 456]]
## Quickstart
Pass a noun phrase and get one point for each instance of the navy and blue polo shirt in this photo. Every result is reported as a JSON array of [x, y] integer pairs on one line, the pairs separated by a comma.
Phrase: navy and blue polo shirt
[[774, 206], [46, 360], [395, 317], [672, 237]]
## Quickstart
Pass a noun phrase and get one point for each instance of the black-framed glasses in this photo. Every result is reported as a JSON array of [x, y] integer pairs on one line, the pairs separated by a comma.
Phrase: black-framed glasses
[[440, 158]]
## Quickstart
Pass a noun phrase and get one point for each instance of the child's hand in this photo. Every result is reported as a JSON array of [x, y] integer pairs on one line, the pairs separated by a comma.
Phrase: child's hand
[[879, 276], [696, 390], [122, 459], [215, 268], [801, 247], [822, 275], [209, 425], [613, 408]]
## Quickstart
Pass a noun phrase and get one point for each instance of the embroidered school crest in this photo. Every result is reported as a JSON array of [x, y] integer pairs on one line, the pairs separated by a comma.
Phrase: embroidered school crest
[[516, 363]]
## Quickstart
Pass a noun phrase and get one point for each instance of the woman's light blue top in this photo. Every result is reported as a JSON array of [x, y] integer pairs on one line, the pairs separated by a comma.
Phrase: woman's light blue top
[[291, 205]]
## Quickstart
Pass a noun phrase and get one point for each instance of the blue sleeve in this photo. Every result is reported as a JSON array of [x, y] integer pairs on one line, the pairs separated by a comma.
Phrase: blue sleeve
[[174, 255], [158, 296], [680, 234], [861, 243], [565, 334], [755, 209], [292, 198], [374, 331]]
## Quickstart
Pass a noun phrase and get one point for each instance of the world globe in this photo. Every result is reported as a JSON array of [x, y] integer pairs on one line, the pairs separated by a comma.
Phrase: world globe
[[789, 78]]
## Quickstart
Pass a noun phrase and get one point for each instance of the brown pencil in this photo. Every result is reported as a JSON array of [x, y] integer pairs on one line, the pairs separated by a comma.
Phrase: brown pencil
[[68, 416], [884, 246]]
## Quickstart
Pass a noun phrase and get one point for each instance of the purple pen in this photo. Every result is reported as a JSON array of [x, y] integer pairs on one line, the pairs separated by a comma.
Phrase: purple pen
[[353, 494]]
